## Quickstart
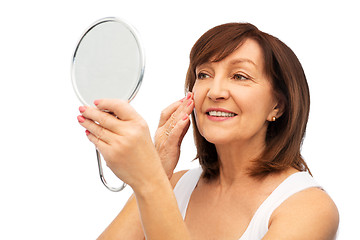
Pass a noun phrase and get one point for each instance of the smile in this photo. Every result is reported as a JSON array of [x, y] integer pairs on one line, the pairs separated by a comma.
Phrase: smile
[[220, 114]]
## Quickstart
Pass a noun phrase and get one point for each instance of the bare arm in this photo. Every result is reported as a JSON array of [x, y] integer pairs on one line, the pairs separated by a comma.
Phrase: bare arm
[[127, 137], [127, 225], [310, 215], [160, 215]]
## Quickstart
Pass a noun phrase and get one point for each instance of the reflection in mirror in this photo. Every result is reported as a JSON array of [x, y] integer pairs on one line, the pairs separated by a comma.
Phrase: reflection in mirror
[[108, 63]]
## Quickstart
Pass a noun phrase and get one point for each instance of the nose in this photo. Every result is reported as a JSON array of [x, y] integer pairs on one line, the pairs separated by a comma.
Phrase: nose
[[218, 90]]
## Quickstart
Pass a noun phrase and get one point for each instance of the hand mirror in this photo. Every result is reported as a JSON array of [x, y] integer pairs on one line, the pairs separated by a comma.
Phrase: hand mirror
[[108, 63]]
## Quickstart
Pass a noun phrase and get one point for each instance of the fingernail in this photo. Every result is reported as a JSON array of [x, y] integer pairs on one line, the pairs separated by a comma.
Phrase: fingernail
[[82, 109], [185, 117], [96, 102], [81, 119], [182, 100], [87, 132], [188, 95], [189, 103]]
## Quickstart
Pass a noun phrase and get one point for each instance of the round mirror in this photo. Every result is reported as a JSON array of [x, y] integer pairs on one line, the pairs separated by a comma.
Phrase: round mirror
[[108, 63]]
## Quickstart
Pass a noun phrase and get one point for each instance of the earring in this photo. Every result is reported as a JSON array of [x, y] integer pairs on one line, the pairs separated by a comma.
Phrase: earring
[[273, 118]]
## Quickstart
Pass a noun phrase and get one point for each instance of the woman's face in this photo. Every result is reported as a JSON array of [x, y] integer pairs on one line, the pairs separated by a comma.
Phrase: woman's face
[[234, 99]]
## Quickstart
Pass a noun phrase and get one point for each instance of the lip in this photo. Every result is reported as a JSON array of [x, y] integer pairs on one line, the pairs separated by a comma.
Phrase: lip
[[219, 119], [219, 110]]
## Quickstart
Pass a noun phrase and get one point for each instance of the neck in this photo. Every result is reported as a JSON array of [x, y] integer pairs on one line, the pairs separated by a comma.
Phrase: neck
[[235, 160]]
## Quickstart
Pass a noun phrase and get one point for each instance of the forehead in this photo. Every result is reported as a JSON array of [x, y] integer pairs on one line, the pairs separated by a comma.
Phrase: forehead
[[247, 53], [249, 50]]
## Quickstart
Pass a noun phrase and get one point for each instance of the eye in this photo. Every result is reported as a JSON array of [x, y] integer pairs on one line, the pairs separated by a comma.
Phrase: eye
[[202, 75], [240, 77]]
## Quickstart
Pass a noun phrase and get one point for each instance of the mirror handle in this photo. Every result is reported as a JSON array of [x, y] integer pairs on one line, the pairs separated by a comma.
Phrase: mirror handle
[[102, 176]]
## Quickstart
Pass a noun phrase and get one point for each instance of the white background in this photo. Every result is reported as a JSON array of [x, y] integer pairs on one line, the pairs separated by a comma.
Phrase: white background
[[49, 182]]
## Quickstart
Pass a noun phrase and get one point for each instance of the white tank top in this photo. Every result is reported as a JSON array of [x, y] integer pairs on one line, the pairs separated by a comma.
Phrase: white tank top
[[259, 223]]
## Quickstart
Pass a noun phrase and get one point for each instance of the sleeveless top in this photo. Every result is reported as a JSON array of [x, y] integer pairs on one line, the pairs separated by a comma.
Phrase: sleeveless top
[[259, 223]]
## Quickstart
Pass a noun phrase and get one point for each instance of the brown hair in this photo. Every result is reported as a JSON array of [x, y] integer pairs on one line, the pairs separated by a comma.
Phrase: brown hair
[[284, 136]]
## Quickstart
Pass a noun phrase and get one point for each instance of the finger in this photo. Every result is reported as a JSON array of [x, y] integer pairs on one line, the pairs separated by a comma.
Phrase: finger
[[96, 130], [184, 130], [104, 119], [167, 112], [99, 144], [189, 105], [185, 109], [121, 108], [177, 134], [175, 110]]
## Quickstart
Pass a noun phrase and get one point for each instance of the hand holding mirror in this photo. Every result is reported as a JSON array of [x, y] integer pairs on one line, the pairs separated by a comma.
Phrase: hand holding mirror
[[108, 63]]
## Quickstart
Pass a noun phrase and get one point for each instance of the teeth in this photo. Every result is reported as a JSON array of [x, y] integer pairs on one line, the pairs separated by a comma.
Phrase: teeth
[[221, 114]]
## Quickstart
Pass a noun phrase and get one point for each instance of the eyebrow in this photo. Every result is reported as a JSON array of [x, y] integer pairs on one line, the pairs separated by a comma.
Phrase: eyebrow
[[233, 62], [242, 60]]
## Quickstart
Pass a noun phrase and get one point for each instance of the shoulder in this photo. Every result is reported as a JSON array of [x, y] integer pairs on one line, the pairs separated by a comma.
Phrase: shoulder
[[309, 214], [176, 177]]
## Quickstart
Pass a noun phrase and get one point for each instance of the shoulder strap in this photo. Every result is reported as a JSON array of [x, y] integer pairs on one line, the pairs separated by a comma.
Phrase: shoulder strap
[[293, 184], [184, 188]]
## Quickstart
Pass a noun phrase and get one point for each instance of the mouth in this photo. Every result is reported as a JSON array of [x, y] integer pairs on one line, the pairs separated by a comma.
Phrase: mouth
[[220, 114], [223, 113]]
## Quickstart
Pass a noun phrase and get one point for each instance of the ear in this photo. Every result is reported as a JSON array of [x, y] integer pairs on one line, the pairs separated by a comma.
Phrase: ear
[[277, 111]]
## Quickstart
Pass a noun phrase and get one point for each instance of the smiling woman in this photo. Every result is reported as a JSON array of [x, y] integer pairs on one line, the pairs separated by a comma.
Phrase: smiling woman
[[273, 65], [250, 102], [235, 86]]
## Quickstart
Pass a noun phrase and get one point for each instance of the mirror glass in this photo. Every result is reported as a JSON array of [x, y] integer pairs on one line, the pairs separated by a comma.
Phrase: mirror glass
[[108, 62]]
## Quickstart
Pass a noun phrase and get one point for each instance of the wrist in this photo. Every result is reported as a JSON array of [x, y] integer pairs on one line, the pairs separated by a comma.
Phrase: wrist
[[158, 182]]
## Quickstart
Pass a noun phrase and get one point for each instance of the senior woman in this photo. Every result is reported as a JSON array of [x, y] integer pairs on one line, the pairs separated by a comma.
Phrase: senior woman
[[249, 100]]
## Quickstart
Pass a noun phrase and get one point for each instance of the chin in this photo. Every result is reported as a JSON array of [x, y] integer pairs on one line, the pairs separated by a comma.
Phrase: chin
[[218, 139]]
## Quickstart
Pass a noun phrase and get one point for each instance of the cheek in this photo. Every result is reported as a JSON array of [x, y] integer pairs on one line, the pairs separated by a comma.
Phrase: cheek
[[198, 97], [255, 104], [197, 104]]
